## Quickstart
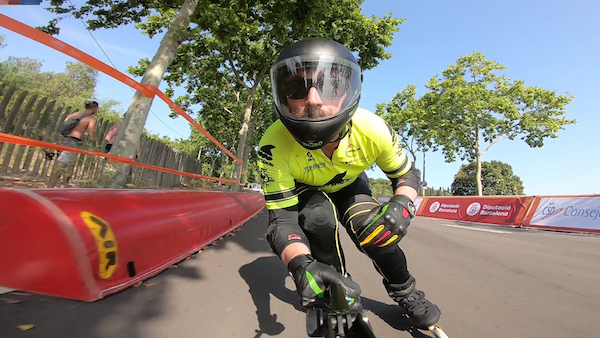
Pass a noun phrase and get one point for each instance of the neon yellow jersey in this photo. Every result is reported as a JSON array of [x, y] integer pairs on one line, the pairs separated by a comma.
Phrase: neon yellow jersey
[[284, 164]]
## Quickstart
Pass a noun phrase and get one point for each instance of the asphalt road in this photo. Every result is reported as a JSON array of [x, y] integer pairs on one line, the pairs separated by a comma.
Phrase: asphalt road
[[489, 282]]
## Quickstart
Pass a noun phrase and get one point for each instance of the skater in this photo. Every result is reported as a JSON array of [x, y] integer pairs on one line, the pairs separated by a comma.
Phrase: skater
[[312, 162]]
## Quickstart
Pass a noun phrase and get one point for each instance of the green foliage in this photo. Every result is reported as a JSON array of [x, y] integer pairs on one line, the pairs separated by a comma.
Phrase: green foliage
[[470, 104], [104, 13], [430, 191], [2, 38], [383, 187], [223, 66], [497, 179], [226, 52], [107, 112], [70, 88], [380, 187], [408, 116], [469, 109]]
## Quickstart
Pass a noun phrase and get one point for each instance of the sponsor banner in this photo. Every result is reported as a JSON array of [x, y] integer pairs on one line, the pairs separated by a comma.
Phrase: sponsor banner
[[567, 213], [503, 210], [418, 203]]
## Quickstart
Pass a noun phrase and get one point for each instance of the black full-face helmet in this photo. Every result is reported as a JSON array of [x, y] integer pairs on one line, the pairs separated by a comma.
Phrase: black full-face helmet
[[329, 68]]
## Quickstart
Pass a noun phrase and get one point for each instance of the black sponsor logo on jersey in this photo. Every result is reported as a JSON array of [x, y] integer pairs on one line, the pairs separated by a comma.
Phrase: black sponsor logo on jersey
[[357, 160], [315, 166], [265, 155], [310, 156], [266, 179], [265, 152], [394, 136], [352, 151], [338, 179]]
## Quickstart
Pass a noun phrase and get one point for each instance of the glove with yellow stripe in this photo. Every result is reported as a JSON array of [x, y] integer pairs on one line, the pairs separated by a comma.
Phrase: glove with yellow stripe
[[312, 278], [387, 224]]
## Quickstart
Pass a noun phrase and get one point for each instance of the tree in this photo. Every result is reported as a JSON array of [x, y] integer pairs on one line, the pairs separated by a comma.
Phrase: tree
[[430, 191], [380, 187], [111, 14], [470, 108], [408, 117], [235, 43], [69, 88], [497, 179]]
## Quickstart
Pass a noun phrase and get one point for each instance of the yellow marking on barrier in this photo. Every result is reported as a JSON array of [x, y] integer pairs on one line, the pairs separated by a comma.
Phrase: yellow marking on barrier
[[108, 251]]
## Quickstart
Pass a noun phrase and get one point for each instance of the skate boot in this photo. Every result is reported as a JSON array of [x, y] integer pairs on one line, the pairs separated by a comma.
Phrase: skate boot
[[421, 311]]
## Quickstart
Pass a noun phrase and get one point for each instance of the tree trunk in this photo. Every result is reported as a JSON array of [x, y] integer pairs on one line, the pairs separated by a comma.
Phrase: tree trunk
[[248, 148], [478, 173], [237, 169], [130, 133], [424, 187]]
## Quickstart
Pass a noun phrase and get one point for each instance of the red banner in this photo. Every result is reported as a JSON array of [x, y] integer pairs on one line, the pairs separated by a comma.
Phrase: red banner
[[503, 210]]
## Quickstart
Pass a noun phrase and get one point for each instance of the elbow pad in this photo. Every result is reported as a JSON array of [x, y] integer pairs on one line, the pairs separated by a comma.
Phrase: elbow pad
[[412, 179]]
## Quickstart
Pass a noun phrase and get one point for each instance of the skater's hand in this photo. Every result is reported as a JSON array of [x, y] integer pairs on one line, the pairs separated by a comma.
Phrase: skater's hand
[[313, 277], [388, 223]]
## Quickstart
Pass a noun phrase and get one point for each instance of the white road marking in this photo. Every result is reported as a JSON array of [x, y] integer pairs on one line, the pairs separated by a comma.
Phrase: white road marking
[[478, 229]]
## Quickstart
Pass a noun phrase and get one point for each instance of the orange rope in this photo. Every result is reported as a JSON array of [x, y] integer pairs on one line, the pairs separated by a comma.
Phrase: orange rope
[[110, 157], [148, 90]]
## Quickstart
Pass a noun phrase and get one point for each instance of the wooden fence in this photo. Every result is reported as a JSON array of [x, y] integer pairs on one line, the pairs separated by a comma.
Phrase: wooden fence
[[34, 117]]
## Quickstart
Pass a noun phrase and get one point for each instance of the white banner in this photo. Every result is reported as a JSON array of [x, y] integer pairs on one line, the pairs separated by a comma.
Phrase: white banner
[[418, 203], [568, 212]]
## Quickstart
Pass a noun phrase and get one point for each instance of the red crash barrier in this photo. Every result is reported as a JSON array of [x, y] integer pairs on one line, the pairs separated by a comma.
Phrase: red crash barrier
[[502, 210], [85, 244]]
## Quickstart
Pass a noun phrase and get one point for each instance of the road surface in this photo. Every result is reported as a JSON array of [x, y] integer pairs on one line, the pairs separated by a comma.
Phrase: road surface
[[489, 281]]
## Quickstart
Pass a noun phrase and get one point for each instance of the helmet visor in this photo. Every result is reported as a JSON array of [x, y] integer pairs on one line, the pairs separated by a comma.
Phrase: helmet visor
[[315, 87]]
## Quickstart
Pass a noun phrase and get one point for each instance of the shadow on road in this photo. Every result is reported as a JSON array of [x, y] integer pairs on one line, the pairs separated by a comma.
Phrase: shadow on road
[[265, 277], [119, 315], [392, 314]]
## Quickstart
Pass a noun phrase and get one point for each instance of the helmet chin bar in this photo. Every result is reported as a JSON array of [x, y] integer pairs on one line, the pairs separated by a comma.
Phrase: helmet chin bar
[[342, 133], [312, 145]]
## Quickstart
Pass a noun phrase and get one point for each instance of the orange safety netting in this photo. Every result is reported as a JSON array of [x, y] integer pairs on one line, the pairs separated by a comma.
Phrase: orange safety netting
[[110, 157], [147, 90]]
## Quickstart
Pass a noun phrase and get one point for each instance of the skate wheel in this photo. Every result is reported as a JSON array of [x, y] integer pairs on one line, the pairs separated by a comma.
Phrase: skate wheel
[[437, 331]]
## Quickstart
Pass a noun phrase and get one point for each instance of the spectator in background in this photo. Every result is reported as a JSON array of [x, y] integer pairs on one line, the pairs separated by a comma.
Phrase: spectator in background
[[66, 160], [111, 136]]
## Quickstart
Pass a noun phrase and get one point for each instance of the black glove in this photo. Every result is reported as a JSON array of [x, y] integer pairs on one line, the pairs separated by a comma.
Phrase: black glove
[[388, 223], [313, 277]]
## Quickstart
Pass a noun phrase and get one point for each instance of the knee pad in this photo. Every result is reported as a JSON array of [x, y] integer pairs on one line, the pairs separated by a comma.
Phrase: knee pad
[[318, 215], [357, 212], [280, 236]]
